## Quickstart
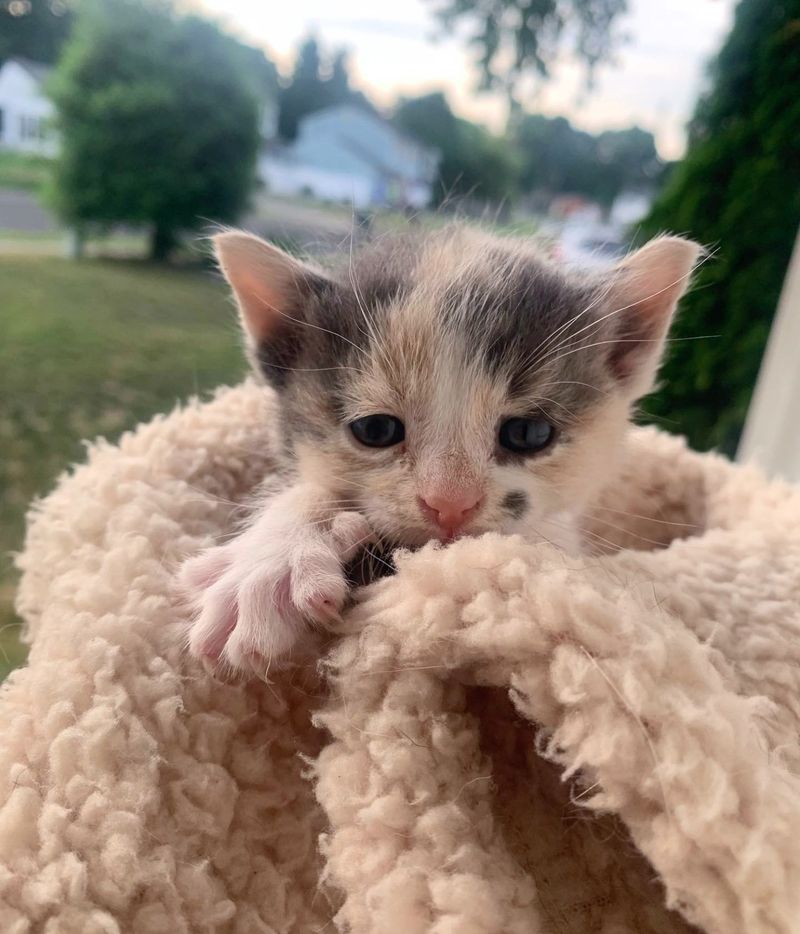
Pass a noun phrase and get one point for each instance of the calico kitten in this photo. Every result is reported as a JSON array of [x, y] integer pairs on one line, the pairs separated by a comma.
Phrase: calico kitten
[[437, 385]]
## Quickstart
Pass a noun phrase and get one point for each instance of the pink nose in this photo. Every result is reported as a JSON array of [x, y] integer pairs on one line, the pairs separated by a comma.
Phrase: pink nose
[[451, 510]]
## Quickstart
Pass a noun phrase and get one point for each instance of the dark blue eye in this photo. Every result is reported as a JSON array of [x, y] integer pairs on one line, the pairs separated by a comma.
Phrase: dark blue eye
[[378, 431], [526, 435]]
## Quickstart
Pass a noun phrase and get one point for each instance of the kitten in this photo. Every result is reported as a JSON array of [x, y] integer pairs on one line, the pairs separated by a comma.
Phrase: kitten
[[438, 385]]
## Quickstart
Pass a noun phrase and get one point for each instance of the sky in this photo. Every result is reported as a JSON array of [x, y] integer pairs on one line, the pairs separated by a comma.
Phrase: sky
[[398, 49]]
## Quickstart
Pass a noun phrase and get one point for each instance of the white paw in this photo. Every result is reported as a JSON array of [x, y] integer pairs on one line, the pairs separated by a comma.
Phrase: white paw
[[255, 597]]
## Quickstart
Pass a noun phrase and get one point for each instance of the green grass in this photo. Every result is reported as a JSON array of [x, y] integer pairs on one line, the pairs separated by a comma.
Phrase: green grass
[[19, 170], [88, 349]]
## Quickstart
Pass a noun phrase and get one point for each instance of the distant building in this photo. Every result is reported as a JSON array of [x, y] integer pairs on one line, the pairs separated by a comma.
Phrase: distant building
[[348, 153], [25, 111], [630, 207]]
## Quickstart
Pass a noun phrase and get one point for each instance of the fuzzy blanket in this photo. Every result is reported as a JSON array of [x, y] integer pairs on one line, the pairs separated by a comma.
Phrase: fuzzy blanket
[[502, 739]]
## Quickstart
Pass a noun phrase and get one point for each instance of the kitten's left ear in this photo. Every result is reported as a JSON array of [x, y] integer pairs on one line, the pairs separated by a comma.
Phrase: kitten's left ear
[[273, 291], [270, 286], [645, 290]]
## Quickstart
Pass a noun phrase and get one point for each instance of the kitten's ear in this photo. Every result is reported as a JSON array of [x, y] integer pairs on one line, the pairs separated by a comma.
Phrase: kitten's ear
[[271, 287], [645, 290]]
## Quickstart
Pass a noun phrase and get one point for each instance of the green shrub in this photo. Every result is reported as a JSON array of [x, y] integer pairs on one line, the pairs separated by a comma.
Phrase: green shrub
[[737, 192]]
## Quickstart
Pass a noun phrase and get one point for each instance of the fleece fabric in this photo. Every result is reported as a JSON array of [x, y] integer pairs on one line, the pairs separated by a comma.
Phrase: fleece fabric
[[500, 739]]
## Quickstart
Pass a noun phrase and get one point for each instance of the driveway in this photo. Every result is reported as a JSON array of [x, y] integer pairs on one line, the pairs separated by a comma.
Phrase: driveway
[[20, 211], [314, 228]]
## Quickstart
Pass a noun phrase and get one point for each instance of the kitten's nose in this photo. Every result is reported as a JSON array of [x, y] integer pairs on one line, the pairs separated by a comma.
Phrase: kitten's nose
[[452, 509]]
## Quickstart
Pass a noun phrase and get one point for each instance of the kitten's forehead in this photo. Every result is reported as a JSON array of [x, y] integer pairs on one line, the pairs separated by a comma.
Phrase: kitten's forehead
[[471, 313]]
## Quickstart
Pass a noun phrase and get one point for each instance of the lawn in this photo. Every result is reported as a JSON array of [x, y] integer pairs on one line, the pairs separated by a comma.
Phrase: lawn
[[86, 349], [19, 170]]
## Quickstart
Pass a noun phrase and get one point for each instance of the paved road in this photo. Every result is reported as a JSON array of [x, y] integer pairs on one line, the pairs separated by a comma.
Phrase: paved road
[[311, 227], [315, 229], [20, 210], [306, 225]]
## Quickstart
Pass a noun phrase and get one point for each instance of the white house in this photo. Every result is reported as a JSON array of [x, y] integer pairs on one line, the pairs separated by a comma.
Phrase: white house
[[25, 111], [349, 153]]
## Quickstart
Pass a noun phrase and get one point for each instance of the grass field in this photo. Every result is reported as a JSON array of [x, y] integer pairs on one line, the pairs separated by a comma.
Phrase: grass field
[[88, 349], [18, 170]]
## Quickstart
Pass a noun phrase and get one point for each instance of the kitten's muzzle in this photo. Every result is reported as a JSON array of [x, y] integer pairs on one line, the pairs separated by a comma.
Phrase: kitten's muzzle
[[451, 511]]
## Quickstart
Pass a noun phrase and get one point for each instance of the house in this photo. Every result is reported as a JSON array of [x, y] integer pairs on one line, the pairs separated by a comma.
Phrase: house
[[349, 153], [25, 111]]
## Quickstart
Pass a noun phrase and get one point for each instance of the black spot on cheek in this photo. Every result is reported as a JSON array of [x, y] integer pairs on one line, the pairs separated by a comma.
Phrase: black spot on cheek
[[516, 503]]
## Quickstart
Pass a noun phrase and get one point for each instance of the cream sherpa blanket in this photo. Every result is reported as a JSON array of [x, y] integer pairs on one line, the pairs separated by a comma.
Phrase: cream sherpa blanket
[[504, 740]]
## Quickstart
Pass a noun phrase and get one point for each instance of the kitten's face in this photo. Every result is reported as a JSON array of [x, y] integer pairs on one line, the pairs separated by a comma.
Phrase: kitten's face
[[458, 383]]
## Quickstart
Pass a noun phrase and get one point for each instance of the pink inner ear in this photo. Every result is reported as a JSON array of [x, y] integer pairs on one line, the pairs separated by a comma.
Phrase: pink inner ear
[[651, 281], [260, 304], [265, 280], [638, 336]]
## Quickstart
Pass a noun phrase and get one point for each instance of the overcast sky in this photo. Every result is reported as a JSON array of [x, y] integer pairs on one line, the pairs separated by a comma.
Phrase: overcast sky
[[654, 81]]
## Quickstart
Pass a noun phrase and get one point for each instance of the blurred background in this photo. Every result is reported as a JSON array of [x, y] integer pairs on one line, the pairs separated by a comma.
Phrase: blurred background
[[129, 127]]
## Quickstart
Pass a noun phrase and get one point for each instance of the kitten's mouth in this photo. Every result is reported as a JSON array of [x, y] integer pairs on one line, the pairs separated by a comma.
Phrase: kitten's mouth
[[422, 535], [448, 536]]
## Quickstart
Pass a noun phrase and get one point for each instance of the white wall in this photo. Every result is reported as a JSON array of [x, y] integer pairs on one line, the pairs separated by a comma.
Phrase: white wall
[[285, 178], [772, 432], [26, 113]]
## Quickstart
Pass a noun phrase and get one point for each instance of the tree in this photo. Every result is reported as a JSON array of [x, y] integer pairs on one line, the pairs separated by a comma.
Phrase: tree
[[157, 118], [527, 36], [339, 81], [316, 82], [304, 93], [626, 159], [34, 29], [473, 162], [557, 158], [738, 192]]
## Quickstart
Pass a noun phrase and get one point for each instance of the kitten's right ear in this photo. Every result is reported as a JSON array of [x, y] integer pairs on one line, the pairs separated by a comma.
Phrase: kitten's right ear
[[271, 287]]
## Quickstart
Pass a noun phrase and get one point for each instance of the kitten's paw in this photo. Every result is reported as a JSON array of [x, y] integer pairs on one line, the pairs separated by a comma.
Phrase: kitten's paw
[[255, 597]]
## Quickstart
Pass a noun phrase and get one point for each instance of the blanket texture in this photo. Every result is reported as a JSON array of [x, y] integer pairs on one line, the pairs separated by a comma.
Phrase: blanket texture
[[501, 739]]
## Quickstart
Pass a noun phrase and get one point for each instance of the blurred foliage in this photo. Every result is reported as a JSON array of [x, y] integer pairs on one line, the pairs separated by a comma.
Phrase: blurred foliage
[[317, 81], [158, 117], [93, 348], [23, 171], [473, 162], [34, 29], [515, 38], [543, 156], [555, 157], [737, 192]]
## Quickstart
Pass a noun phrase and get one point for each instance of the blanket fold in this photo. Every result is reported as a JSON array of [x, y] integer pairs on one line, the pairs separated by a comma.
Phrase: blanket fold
[[500, 739]]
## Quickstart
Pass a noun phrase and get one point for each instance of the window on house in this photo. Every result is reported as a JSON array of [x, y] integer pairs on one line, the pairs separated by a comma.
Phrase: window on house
[[30, 128]]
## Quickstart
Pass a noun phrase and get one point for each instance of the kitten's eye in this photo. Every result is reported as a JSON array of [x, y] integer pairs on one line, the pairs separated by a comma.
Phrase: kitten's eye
[[378, 431], [526, 435]]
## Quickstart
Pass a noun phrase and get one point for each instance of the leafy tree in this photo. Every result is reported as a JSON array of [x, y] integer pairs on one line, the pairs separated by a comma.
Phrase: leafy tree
[[557, 158], [158, 121], [626, 159], [473, 162], [260, 72], [34, 29], [527, 36], [316, 82], [304, 94], [738, 192], [339, 81]]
